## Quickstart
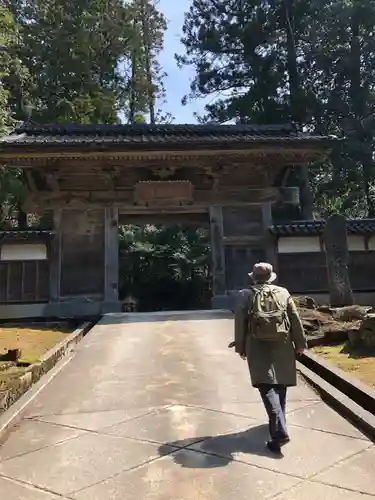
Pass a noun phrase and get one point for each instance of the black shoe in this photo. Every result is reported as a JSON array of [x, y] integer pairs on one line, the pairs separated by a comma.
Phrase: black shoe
[[274, 447], [285, 440]]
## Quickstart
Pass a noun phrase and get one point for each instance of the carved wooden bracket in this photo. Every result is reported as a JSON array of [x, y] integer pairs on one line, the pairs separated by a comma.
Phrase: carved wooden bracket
[[214, 172], [163, 193], [111, 174], [165, 172], [52, 179], [30, 180]]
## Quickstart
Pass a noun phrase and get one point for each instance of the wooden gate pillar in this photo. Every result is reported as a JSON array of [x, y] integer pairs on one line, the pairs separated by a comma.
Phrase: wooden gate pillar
[[238, 241], [84, 263], [55, 258], [269, 241], [111, 256], [217, 252]]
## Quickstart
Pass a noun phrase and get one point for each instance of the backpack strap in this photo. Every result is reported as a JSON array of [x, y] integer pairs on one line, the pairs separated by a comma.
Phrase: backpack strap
[[256, 291], [253, 296]]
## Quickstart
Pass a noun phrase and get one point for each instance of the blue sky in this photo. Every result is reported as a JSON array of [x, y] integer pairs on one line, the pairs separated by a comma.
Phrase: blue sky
[[178, 80]]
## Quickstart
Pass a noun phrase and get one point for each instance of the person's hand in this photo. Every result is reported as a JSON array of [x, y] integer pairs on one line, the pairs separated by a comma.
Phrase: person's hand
[[299, 352]]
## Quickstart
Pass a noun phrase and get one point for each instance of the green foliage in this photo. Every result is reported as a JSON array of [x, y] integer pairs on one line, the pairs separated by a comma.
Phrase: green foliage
[[72, 49], [8, 37], [65, 61], [12, 192], [311, 61], [11, 69], [165, 266]]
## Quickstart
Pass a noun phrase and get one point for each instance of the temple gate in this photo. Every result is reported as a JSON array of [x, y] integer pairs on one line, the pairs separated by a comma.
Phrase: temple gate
[[91, 178]]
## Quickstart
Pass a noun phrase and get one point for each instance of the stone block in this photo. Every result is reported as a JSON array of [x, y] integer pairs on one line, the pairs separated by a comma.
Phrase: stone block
[[304, 302], [365, 337]]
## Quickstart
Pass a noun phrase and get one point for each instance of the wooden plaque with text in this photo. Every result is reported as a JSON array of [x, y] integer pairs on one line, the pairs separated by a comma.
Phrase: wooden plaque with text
[[163, 193]]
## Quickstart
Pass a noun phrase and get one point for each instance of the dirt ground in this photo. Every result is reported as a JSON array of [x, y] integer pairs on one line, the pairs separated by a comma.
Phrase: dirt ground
[[360, 365], [33, 340]]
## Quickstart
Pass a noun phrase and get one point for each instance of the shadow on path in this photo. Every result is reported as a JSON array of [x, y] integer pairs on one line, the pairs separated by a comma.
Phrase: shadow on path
[[219, 451]]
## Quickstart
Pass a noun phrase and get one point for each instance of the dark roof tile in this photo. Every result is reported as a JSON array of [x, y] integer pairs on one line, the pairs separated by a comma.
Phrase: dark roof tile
[[316, 227], [24, 233], [149, 134]]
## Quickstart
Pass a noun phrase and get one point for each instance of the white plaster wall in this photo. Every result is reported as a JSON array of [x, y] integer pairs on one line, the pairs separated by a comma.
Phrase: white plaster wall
[[299, 244], [371, 243], [20, 251], [356, 243]]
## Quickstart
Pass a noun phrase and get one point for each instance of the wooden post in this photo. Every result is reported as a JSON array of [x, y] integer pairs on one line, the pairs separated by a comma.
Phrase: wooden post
[[269, 241], [111, 257], [217, 251], [55, 258], [337, 257], [306, 198]]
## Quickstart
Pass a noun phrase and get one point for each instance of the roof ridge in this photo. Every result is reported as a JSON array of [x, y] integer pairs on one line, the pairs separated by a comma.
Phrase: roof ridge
[[119, 129]]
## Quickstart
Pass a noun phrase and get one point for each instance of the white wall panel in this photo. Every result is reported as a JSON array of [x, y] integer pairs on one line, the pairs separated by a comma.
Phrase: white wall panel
[[356, 243], [299, 244], [20, 251]]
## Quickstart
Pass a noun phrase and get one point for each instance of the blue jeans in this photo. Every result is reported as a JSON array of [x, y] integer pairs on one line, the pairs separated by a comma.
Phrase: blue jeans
[[274, 399]]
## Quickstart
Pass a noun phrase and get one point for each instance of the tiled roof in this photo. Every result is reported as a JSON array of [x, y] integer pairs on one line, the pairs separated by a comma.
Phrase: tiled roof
[[315, 227], [144, 134], [24, 233]]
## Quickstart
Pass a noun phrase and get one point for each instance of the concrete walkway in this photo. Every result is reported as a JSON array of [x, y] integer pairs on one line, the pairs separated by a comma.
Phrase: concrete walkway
[[157, 408]]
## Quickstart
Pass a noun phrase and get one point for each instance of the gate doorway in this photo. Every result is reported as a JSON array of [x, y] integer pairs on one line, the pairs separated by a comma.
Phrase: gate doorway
[[165, 263]]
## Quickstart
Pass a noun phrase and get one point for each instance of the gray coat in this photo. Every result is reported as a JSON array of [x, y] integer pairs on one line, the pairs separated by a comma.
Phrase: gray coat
[[269, 362]]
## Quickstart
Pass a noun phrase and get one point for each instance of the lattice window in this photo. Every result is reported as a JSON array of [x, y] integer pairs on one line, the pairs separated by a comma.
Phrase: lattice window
[[24, 281]]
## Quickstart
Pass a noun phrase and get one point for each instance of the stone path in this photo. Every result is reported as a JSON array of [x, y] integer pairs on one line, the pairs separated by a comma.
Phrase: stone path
[[157, 408]]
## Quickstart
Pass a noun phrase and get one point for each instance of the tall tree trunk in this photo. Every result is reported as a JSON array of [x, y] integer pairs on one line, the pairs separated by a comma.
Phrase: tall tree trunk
[[297, 112], [147, 55], [133, 82], [294, 81]]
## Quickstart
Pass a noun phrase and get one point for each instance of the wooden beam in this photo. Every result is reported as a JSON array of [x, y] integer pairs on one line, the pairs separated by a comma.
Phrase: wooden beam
[[242, 240], [124, 199], [194, 219], [295, 154]]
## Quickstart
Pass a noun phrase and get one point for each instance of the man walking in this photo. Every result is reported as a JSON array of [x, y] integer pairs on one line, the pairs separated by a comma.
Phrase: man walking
[[269, 334]]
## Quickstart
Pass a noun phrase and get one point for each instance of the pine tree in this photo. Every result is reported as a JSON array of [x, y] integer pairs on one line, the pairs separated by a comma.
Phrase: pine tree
[[249, 52], [311, 62], [343, 74], [146, 77]]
